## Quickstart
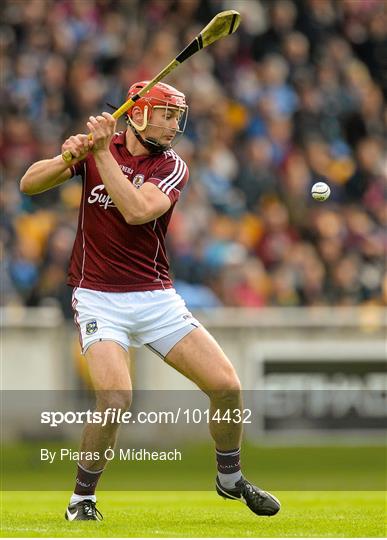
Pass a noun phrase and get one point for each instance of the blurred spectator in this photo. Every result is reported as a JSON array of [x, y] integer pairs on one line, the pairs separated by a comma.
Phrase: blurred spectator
[[296, 95], [282, 17], [278, 234], [258, 176]]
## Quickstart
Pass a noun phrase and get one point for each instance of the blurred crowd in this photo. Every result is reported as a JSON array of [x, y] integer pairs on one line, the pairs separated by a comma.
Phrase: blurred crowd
[[297, 95]]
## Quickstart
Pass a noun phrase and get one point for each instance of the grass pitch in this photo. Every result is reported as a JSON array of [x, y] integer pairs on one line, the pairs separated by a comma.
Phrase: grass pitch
[[196, 514], [347, 500]]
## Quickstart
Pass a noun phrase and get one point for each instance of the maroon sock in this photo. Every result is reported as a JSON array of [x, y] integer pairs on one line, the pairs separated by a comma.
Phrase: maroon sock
[[229, 461], [86, 481]]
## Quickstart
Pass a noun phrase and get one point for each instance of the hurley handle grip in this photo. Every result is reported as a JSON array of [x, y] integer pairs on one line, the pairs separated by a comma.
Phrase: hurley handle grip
[[67, 155]]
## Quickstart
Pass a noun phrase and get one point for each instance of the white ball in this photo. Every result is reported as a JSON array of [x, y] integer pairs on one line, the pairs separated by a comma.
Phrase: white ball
[[321, 191]]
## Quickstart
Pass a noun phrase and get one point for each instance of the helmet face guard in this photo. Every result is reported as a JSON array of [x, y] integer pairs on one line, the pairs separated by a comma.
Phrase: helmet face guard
[[161, 97]]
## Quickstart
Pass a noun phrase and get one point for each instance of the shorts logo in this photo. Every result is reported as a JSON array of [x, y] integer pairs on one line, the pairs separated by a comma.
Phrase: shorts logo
[[91, 327], [138, 180], [185, 317]]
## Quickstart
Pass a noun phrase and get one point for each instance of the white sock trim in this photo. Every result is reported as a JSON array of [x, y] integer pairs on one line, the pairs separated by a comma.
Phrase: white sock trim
[[91, 472], [228, 481], [230, 453], [74, 499]]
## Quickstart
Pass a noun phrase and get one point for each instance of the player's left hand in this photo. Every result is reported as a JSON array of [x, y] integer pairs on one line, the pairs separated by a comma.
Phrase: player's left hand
[[102, 128]]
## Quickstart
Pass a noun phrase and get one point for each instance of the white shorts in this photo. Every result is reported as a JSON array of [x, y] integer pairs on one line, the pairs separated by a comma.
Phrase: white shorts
[[158, 319]]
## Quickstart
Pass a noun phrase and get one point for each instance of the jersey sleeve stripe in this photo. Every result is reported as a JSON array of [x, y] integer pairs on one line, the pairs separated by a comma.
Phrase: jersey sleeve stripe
[[178, 180], [176, 176], [170, 175]]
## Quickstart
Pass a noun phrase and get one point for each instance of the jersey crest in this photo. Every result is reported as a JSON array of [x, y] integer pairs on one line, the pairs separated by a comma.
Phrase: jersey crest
[[138, 180]]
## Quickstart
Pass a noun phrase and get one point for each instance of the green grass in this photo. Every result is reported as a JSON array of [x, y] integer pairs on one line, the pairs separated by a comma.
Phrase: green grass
[[327, 491], [197, 514]]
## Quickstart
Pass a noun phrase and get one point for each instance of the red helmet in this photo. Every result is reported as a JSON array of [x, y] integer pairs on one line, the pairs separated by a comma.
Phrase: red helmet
[[161, 95]]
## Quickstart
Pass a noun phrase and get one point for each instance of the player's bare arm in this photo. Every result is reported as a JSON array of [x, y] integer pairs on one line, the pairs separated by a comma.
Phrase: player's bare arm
[[137, 206], [49, 173]]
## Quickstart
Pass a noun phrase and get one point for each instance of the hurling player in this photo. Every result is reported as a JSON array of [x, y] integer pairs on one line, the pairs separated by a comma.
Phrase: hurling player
[[123, 295]]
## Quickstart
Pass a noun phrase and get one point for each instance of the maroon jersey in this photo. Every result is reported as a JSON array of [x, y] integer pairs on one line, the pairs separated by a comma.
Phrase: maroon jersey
[[108, 254]]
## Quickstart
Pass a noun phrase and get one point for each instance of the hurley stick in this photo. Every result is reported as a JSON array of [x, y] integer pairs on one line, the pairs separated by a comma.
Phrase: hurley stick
[[221, 25]]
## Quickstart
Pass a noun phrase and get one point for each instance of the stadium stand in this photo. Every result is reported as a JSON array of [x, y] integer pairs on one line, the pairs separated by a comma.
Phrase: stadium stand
[[295, 96]]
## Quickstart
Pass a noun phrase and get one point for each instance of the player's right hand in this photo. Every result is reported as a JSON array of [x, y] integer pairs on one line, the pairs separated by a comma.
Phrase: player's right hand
[[79, 146]]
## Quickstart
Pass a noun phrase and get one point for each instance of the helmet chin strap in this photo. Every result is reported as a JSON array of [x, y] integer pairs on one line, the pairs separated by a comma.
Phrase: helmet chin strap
[[152, 145]]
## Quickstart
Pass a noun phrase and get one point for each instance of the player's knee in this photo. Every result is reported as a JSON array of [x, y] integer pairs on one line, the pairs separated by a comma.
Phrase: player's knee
[[228, 388], [114, 399], [229, 382]]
